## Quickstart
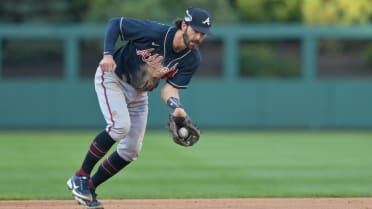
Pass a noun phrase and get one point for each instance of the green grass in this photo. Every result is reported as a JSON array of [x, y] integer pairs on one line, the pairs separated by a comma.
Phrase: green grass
[[36, 165]]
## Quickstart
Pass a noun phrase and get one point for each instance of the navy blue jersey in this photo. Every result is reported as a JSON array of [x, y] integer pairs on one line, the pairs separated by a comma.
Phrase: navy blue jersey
[[147, 38]]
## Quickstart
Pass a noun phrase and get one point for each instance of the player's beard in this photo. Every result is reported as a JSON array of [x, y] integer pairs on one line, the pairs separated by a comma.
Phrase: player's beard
[[190, 44]]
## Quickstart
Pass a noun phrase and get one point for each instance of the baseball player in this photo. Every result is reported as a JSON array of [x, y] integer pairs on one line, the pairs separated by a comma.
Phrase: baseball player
[[153, 51]]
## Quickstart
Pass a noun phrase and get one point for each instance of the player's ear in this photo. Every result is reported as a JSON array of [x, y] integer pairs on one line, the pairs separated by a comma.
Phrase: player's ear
[[184, 25]]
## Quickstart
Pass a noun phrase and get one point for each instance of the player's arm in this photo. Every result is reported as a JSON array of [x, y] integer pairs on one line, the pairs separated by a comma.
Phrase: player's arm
[[112, 33], [180, 125], [171, 97]]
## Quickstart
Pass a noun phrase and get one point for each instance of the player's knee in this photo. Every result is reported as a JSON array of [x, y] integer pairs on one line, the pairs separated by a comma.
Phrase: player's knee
[[128, 154], [118, 132]]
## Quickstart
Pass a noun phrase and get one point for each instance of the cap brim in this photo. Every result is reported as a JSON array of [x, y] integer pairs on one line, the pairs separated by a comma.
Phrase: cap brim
[[205, 30]]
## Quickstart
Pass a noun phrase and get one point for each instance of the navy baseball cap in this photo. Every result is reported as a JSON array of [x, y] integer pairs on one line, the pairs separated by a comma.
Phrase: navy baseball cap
[[199, 19]]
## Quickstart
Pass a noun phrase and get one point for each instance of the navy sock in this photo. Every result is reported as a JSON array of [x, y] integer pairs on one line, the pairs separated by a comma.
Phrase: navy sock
[[109, 167], [98, 148]]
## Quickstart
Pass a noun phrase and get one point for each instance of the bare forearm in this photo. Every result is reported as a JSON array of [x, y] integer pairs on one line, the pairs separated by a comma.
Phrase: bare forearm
[[171, 97], [169, 91]]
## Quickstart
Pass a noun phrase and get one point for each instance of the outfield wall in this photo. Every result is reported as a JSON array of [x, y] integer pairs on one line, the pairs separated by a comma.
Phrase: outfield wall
[[223, 102]]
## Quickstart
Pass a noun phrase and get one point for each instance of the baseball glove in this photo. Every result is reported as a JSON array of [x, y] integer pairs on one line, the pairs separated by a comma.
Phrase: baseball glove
[[175, 123]]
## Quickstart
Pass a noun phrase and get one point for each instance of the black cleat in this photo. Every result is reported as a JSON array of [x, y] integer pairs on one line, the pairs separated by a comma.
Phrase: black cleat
[[94, 204], [79, 187]]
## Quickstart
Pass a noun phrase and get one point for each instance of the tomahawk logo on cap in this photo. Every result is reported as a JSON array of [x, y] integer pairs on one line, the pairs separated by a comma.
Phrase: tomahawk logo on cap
[[199, 19]]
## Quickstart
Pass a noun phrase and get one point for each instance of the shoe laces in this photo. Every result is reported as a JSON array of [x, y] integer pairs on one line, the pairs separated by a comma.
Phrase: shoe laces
[[83, 182]]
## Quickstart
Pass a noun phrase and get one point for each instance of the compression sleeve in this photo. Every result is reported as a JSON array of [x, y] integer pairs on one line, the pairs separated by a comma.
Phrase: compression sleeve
[[111, 35]]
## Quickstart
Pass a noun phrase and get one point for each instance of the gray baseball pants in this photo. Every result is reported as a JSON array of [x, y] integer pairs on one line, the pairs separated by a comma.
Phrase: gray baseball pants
[[125, 111]]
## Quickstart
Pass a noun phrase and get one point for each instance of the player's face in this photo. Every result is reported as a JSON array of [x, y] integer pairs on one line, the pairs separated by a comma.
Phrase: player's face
[[192, 38]]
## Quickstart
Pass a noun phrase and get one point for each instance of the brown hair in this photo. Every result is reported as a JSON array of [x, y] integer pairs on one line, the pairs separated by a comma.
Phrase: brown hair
[[178, 23]]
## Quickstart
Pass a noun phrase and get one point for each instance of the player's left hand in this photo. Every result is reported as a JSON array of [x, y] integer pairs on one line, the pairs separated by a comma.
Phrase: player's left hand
[[179, 112], [175, 122]]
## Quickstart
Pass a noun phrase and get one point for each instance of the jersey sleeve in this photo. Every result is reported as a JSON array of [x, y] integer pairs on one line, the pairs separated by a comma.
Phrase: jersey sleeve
[[183, 76]]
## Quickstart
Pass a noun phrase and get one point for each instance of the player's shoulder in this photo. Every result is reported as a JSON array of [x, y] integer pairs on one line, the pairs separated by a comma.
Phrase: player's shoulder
[[192, 60], [146, 23], [196, 55], [156, 23]]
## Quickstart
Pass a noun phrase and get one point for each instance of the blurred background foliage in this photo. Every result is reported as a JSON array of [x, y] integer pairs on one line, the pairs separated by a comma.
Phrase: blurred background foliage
[[223, 11], [269, 10], [97, 11], [310, 12], [343, 12]]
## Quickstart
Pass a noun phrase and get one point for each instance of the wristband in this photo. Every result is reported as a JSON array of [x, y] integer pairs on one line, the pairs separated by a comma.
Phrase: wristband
[[174, 103], [107, 52]]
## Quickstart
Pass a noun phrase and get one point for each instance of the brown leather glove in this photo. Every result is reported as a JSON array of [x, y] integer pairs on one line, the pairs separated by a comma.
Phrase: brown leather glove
[[175, 123]]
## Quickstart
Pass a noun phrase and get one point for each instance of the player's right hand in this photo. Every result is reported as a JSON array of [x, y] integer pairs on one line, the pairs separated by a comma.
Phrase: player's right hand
[[107, 63]]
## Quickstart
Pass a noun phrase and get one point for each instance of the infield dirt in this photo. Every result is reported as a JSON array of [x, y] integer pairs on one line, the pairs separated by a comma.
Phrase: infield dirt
[[246, 203]]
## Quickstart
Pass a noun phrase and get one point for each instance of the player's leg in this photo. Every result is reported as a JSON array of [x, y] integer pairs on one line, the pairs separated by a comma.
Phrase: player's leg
[[98, 148], [129, 147], [79, 182], [113, 106]]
